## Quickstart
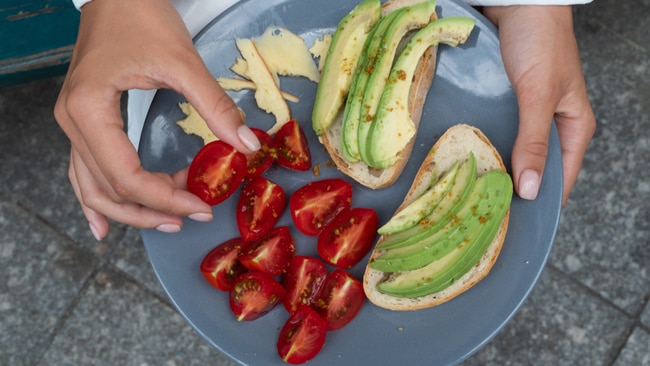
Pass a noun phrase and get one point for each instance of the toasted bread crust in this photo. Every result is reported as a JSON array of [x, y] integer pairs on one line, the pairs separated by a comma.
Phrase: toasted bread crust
[[457, 142]]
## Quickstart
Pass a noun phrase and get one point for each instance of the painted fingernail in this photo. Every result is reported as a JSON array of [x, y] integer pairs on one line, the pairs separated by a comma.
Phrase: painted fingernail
[[168, 228], [528, 184], [94, 231], [201, 216], [248, 138]]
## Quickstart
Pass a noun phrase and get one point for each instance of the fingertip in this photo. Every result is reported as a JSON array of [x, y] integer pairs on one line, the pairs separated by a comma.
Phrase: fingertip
[[248, 138], [528, 184], [95, 231]]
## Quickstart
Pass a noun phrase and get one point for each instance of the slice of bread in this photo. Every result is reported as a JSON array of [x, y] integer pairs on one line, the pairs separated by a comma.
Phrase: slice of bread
[[456, 143], [360, 171]]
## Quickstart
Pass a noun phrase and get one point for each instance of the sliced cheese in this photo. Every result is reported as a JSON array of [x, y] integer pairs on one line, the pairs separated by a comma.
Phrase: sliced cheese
[[234, 84], [240, 67], [286, 53], [267, 94], [194, 124], [319, 49]]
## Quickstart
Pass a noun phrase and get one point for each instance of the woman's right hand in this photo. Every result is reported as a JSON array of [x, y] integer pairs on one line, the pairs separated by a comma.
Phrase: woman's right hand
[[123, 45]]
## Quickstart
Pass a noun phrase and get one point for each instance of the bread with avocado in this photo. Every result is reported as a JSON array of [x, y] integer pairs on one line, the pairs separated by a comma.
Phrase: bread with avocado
[[367, 116], [470, 240]]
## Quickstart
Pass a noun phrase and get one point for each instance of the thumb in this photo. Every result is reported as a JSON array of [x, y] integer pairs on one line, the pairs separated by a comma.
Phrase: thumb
[[531, 145]]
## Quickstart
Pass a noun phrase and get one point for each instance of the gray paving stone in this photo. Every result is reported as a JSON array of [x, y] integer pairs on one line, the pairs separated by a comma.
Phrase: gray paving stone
[[41, 274], [561, 323], [131, 258], [604, 231], [34, 161], [636, 351], [645, 316], [118, 323]]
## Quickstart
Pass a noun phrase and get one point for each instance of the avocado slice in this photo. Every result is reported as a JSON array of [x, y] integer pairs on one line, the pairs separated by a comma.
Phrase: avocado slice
[[443, 213], [392, 128], [443, 272], [342, 56], [422, 206], [349, 145], [475, 216], [380, 56]]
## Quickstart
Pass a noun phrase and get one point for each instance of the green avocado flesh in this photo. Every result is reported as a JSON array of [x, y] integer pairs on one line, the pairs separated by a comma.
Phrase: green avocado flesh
[[392, 127], [344, 51], [374, 69], [440, 215], [351, 113], [475, 215], [410, 215], [454, 250]]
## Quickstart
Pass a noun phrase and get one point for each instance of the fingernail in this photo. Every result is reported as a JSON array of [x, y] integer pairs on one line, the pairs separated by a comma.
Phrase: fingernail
[[94, 231], [248, 138], [200, 216], [168, 228], [528, 184]]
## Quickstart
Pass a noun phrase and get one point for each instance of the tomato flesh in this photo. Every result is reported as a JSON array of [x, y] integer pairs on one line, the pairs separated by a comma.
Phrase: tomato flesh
[[216, 172], [261, 160], [254, 294], [303, 280], [302, 336], [221, 265], [315, 204], [291, 147], [349, 237], [340, 299], [270, 254], [260, 205]]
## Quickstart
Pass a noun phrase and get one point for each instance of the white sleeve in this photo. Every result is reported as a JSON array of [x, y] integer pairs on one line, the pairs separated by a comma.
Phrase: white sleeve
[[525, 2], [79, 3]]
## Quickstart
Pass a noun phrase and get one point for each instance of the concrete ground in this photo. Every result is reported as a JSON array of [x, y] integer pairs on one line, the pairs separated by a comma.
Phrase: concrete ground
[[66, 299]]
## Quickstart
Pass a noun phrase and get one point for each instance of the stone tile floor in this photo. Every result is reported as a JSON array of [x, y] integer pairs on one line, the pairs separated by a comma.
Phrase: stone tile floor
[[66, 299]]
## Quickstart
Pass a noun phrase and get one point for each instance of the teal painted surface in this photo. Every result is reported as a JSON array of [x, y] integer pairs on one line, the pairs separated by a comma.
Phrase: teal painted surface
[[36, 38]]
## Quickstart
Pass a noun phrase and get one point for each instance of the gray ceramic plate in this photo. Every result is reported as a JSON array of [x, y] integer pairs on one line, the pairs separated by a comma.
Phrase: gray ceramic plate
[[470, 87]]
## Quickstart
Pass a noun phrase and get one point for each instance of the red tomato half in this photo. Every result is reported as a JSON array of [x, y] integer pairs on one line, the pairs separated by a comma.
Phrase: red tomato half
[[259, 207], [302, 336], [220, 266], [291, 147], [315, 204], [345, 241], [254, 294], [261, 160], [216, 172], [303, 281], [271, 254], [340, 299]]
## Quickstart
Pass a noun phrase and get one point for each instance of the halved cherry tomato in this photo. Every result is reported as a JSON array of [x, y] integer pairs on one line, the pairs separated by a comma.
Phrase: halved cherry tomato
[[271, 254], [220, 266], [216, 172], [347, 239], [291, 147], [315, 204], [254, 294], [303, 280], [261, 160], [260, 205], [340, 299], [302, 336]]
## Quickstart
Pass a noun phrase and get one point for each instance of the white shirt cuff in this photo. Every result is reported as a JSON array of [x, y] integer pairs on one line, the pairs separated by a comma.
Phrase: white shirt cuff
[[79, 3], [525, 2]]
